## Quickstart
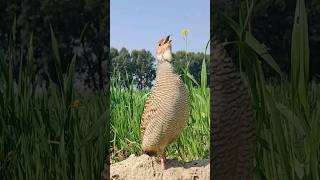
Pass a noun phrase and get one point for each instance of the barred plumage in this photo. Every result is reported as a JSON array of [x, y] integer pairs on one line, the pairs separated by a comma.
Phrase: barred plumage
[[233, 125], [166, 110]]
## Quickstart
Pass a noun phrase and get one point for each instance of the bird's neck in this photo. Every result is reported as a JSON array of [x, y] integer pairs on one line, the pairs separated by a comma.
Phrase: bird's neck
[[165, 67]]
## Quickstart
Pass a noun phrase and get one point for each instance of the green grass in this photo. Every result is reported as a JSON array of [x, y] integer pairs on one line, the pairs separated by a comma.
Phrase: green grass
[[55, 134], [300, 142]]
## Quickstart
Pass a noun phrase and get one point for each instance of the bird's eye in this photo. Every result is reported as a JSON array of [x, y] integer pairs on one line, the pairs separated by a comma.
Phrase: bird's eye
[[159, 44]]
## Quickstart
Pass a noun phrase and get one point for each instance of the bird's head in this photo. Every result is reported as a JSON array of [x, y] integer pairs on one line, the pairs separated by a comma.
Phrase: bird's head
[[164, 52]]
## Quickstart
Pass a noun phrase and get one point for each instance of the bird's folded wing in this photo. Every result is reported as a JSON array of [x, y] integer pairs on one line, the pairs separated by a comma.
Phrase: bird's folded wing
[[148, 113]]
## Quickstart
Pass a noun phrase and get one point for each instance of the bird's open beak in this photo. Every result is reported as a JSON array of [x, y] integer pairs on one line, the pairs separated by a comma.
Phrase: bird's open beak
[[167, 39]]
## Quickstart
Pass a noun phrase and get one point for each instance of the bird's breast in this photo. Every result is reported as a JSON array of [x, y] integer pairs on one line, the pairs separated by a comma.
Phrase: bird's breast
[[171, 107]]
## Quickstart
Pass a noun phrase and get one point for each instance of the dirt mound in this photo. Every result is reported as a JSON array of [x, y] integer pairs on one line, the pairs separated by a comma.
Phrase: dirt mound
[[146, 167]]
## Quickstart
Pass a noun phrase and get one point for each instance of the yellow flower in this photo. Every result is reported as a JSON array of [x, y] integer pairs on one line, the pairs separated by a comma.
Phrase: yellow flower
[[185, 32], [75, 103]]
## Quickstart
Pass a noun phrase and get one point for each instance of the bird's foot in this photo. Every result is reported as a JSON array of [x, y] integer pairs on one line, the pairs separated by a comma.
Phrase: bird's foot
[[162, 160]]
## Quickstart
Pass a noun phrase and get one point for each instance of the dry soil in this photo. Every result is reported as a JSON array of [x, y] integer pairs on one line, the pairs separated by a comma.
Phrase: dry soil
[[146, 167]]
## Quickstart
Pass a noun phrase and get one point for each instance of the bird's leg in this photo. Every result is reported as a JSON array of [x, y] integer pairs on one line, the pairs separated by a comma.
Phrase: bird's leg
[[162, 160]]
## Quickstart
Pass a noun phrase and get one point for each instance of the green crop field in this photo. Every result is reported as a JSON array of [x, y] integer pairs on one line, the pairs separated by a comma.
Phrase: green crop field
[[48, 133]]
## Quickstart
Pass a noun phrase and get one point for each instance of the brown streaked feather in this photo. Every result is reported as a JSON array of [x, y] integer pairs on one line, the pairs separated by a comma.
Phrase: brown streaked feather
[[148, 112]]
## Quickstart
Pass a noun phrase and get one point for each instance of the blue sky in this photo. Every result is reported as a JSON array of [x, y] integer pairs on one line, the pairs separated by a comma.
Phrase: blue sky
[[139, 24]]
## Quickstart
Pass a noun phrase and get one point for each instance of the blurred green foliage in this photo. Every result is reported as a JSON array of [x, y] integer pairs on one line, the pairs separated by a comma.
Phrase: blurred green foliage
[[271, 23], [70, 19]]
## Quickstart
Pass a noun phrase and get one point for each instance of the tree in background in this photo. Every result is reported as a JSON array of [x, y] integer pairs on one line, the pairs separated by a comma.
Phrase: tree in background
[[143, 70], [121, 66], [139, 66], [179, 61]]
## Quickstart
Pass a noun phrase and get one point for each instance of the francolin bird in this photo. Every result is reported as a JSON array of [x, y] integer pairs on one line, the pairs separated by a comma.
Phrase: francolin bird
[[167, 108]]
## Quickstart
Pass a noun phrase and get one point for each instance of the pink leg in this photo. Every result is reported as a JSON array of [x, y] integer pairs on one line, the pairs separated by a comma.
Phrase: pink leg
[[163, 160]]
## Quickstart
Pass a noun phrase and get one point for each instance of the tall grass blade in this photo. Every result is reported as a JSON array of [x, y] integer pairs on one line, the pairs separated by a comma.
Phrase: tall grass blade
[[300, 57], [253, 43], [56, 59]]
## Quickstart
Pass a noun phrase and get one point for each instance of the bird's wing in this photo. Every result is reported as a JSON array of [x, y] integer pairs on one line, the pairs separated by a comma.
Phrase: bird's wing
[[148, 112]]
